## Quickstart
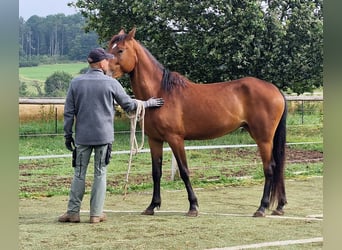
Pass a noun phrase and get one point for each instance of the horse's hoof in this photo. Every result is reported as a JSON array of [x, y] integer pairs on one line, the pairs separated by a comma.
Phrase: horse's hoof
[[192, 213], [148, 212], [278, 212], [259, 214]]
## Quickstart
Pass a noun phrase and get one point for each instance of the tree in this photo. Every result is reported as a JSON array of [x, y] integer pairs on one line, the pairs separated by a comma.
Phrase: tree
[[81, 45], [54, 37], [298, 48], [214, 40], [57, 84]]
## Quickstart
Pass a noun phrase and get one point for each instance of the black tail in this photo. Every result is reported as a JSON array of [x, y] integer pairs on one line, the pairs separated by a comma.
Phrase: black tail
[[279, 141]]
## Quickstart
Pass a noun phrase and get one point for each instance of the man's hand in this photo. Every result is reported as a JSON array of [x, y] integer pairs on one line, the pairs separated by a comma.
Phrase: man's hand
[[154, 102], [69, 143]]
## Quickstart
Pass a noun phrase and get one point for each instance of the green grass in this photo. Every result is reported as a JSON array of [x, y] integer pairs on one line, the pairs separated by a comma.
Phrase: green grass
[[42, 72], [55, 144], [208, 168], [38, 75], [217, 167]]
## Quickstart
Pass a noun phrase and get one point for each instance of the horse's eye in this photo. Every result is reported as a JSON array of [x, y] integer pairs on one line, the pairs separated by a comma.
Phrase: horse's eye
[[120, 51]]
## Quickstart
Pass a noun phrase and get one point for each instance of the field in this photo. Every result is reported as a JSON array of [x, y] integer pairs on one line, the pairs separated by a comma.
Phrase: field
[[37, 75], [41, 72]]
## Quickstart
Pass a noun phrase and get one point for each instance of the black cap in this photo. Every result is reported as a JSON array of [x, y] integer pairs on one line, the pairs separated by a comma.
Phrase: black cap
[[97, 55]]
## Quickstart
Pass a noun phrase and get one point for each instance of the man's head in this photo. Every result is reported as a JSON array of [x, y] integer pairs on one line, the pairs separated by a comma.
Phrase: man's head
[[98, 58], [97, 55]]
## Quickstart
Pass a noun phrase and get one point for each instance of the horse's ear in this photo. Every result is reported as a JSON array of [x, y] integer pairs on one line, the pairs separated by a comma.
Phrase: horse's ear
[[122, 32], [131, 34]]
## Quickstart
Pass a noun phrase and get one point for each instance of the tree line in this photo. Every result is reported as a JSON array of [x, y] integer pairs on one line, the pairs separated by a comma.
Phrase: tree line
[[54, 38]]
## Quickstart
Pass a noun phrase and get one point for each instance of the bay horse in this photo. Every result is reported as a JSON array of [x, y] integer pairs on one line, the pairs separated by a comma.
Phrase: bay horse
[[204, 111]]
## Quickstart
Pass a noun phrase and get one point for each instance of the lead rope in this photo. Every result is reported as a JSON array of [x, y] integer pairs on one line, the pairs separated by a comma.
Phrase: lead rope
[[135, 117]]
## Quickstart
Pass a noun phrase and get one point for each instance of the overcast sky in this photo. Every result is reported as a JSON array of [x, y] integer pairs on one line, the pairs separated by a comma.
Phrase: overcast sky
[[28, 8]]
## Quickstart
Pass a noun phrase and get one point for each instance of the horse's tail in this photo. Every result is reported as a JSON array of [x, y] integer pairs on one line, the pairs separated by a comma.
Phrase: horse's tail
[[279, 140]]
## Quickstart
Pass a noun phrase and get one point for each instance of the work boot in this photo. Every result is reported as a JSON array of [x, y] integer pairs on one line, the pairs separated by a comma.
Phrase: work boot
[[69, 217], [97, 219]]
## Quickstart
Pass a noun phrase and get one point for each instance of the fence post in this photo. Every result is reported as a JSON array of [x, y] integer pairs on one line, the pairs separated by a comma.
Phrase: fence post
[[174, 167], [56, 117], [302, 112]]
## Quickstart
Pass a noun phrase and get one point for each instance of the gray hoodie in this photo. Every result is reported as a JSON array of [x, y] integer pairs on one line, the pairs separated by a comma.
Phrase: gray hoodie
[[90, 103]]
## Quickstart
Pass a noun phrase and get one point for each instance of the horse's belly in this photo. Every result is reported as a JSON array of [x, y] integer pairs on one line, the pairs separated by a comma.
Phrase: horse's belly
[[204, 132]]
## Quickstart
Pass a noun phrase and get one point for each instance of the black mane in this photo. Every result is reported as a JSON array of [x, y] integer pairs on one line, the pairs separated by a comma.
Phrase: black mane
[[171, 79]]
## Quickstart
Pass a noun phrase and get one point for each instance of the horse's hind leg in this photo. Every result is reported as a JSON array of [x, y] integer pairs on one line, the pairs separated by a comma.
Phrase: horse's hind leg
[[179, 153], [281, 203], [265, 150]]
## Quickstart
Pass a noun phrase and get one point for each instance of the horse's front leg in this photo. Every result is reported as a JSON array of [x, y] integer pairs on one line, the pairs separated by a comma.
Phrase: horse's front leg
[[157, 159], [179, 153]]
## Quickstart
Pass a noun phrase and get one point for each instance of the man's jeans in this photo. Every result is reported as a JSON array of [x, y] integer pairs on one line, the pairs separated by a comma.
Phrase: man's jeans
[[98, 191]]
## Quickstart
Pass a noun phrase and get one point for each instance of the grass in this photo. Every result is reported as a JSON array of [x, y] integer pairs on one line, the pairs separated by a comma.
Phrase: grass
[[42, 72], [51, 177], [55, 144], [218, 167], [168, 228], [37, 75]]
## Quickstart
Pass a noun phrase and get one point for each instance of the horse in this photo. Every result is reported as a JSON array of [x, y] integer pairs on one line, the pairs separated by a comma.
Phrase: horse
[[195, 111]]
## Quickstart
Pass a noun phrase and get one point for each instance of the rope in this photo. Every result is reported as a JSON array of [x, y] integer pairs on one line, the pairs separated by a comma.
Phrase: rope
[[135, 117]]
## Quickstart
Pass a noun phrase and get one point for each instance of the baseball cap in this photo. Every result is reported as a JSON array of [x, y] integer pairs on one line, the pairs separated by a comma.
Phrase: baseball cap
[[97, 55]]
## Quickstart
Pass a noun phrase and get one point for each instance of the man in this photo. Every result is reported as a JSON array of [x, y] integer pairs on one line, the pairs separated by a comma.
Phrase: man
[[90, 103]]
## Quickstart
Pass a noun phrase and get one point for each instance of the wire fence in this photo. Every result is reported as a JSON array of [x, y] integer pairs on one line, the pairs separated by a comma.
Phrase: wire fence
[[44, 117]]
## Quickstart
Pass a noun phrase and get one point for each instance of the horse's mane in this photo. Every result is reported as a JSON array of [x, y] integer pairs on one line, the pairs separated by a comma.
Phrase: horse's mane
[[170, 78]]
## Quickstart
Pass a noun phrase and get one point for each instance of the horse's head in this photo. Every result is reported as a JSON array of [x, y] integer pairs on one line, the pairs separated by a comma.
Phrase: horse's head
[[121, 46]]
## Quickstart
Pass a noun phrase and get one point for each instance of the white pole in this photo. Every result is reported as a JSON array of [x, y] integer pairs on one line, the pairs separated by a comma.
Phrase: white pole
[[174, 167]]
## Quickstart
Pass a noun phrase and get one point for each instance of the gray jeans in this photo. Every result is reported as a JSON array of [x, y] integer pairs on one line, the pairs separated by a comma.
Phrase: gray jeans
[[98, 191]]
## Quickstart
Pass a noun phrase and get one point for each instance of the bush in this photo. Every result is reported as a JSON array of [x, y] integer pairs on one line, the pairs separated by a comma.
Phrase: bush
[[57, 84], [84, 70], [28, 63], [22, 88]]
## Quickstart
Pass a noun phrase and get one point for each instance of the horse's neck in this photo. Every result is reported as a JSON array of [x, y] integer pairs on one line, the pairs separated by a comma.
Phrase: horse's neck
[[146, 77]]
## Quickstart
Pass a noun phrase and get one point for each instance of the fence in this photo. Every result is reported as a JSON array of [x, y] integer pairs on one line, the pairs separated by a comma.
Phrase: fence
[[49, 112], [296, 104]]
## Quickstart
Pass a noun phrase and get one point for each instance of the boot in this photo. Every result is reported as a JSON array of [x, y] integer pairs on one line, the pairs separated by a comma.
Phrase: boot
[[69, 218], [97, 219]]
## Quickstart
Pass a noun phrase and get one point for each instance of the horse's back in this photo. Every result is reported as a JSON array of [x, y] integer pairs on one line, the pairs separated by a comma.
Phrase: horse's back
[[225, 106], [246, 93]]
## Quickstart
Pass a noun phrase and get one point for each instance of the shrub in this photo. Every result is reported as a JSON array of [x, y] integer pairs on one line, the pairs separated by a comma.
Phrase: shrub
[[84, 70], [22, 88], [57, 84]]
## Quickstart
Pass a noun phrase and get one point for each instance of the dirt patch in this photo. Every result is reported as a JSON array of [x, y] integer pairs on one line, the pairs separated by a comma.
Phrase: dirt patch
[[297, 155], [292, 155], [45, 182]]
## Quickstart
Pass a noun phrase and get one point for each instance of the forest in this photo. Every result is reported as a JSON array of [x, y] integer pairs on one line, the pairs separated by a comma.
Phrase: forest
[[54, 38]]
